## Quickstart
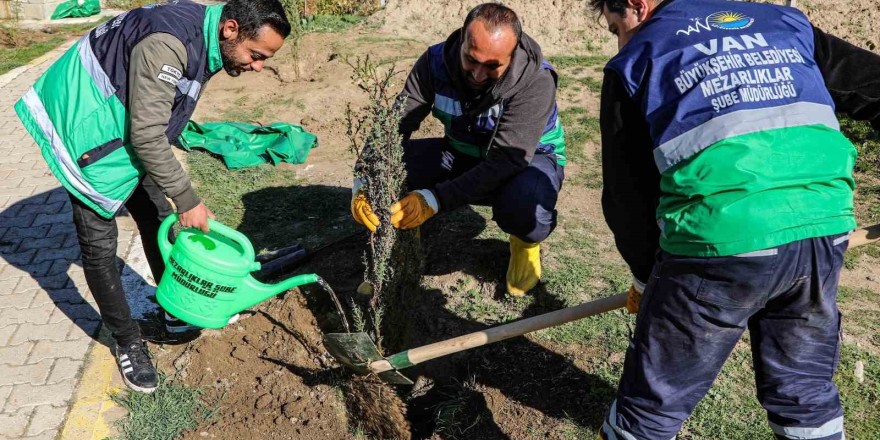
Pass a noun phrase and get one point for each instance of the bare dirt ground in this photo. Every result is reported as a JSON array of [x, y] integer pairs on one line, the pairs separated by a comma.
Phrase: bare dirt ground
[[271, 370]]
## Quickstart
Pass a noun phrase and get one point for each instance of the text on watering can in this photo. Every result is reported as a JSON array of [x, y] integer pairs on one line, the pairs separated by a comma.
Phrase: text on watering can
[[196, 284]]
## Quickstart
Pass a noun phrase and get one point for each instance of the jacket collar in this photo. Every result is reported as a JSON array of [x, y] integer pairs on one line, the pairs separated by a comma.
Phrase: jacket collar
[[212, 37]]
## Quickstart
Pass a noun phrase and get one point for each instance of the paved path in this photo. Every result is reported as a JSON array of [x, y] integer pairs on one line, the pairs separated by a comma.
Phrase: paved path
[[48, 319]]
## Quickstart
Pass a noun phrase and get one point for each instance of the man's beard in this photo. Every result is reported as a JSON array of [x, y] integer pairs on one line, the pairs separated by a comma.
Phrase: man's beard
[[229, 65]]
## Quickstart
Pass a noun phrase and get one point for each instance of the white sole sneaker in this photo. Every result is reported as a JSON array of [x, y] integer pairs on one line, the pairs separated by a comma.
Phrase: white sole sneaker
[[135, 387]]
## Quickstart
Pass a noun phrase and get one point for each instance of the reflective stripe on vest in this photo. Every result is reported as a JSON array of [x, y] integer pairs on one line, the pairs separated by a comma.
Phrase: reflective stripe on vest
[[93, 67], [736, 69], [189, 88], [472, 136], [67, 164], [738, 123]]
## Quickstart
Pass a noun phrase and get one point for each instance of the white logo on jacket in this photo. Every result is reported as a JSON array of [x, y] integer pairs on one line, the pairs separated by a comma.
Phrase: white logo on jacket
[[170, 74]]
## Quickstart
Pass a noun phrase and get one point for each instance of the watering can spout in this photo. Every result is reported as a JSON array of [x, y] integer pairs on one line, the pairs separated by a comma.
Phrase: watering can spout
[[260, 292]]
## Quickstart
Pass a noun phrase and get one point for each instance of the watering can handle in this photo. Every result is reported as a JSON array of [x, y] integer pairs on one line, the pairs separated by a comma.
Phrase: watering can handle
[[220, 228]]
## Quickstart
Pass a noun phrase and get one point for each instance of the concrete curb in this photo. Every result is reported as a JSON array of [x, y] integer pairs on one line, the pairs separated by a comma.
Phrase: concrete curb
[[92, 413], [87, 419]]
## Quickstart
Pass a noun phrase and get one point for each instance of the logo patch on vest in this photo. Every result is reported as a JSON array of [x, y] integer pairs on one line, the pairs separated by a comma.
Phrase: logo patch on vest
[[170, 74], [724, 20], [730, 21]]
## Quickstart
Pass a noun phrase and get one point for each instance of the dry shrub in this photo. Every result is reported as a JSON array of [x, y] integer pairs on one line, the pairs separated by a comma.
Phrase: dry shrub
[[393, 261]]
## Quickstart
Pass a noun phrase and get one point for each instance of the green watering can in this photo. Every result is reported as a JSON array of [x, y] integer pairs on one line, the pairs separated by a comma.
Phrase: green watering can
[[208, 278]]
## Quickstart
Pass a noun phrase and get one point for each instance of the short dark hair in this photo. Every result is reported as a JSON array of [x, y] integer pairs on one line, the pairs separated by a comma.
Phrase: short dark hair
[[252, 15], [617, 6], [495, 15]]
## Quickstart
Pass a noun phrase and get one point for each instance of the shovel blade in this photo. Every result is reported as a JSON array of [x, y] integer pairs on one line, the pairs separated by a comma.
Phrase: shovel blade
[[394, 377], [356, 351]]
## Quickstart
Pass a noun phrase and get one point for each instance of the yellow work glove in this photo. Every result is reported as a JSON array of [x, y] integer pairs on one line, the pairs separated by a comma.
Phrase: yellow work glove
[[414, 209], [361, 209], [634, 296], [524, 268]]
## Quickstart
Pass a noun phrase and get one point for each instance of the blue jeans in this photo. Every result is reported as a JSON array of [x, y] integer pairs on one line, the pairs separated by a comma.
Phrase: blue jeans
[[524, 206], [694, 311]]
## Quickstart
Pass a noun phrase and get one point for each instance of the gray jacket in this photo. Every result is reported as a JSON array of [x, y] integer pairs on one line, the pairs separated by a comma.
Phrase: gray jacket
[[530, 93], [150, 97]]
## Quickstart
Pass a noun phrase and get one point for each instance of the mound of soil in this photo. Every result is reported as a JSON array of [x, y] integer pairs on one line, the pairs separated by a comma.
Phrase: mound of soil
[[270, 374], [560, 26], [854, 21], [566, 26]]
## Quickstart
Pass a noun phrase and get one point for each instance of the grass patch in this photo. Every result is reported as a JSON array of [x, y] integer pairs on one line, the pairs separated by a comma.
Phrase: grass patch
[[580, 128], [576, 282], [576, 272], [270, 204], [240, 111], [373, 39], [451, 413], [397, 59], [579, 83], [223, 189], [473, 305], [867, 142], [860, 400], [730, 410], [10, 58], [867, 169], [127, 4], [249, 110], [853, 256], [26, 45], [327, 24], [565, 61], [167, 413]]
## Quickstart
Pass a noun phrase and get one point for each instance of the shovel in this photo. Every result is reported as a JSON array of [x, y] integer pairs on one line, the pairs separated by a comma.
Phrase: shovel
[[357, 351]]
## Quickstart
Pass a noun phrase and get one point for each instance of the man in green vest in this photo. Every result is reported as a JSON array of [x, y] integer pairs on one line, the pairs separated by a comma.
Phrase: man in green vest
[[728, 186], [105, 116], [494, 93]]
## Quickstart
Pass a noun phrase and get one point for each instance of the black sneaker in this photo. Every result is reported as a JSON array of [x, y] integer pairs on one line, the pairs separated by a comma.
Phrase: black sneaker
[[136, 367], [175, 326]]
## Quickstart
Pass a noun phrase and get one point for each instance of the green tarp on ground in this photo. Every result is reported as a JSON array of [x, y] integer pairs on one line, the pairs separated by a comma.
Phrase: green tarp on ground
[[77, 8], [246, 145]]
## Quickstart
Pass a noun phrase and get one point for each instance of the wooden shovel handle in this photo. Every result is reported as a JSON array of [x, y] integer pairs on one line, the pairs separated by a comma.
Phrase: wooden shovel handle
[[863, 236], [500, 333], [424, 353]]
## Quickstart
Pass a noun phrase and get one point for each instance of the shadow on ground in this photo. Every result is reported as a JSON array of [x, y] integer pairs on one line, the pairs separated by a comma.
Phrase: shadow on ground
[[39, 238], [523, 371]]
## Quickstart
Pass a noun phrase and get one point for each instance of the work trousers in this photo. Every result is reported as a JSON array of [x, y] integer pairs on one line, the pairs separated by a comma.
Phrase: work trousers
[[98, 240], [694, 311], [524, 206]]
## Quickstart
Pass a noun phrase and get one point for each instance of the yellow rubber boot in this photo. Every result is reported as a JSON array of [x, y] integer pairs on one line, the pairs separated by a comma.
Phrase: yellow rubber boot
[[524, 269]]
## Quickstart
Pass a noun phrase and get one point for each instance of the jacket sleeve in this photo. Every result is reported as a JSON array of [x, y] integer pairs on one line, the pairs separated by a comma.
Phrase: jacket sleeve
[[155, 66], [852, 76], [521, 127], [419, 95], [631, 180]]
